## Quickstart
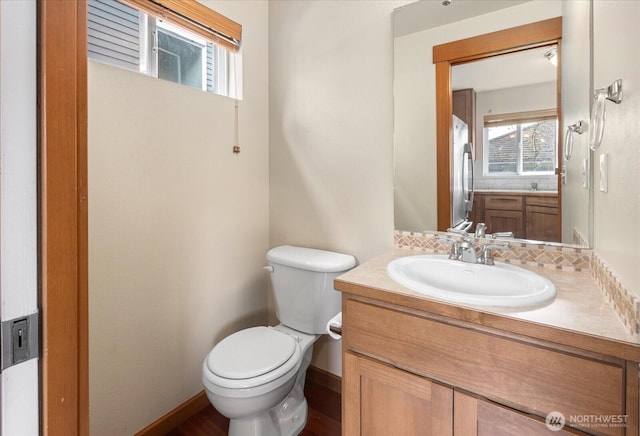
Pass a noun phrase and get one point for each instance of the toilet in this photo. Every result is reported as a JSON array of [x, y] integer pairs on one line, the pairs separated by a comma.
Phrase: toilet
[[255, 377]]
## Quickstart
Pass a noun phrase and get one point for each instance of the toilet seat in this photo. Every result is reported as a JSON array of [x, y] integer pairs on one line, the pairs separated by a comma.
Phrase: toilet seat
[[252, 357]]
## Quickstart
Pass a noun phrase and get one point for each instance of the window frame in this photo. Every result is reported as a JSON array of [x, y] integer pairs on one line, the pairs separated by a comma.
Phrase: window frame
[[219, 58], [155, 25], [518, 119]]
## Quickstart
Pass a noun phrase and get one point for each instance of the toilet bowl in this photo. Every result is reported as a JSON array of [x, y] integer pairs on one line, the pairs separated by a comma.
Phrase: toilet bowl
[[256, 376]]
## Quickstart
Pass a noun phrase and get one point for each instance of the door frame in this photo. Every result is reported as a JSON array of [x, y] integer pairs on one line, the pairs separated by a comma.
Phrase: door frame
[[538, 34], [63, 215]]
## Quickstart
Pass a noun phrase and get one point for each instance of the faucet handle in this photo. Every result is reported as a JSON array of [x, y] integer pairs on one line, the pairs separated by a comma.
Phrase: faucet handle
[[502, 235], [457, 231], [481, 230], [485, 256], [454, 254]]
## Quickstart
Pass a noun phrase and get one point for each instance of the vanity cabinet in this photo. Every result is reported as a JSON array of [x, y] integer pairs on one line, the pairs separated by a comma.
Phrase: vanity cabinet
[[478, 417], [412, 372], [504, 213], [541, 217], [383, 401], [526, 215]]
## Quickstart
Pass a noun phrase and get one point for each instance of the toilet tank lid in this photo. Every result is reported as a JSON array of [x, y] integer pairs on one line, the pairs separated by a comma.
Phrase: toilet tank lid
[[311, 259]]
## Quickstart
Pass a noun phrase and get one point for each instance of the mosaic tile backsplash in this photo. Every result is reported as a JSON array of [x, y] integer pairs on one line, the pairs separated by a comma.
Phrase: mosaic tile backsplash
[[626, 304], [623, 301], [543, 255]]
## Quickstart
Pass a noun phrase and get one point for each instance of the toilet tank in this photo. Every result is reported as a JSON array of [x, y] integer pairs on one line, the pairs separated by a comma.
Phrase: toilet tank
[[302, 284]]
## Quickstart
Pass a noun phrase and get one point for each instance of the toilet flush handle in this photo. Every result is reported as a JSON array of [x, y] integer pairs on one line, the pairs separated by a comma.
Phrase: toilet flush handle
[[269, 268]]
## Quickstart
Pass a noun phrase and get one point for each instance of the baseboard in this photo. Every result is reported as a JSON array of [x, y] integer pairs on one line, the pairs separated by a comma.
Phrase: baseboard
[[177, 416], [325, 378], [186, 410]]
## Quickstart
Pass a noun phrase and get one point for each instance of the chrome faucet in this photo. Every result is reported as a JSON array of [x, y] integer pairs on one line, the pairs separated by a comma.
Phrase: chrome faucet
[[454, 254], [464, 249], [468, 250], [481, 230], [485, 255]]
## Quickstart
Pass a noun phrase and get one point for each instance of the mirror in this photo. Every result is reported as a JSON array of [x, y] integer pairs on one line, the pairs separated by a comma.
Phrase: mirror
[[551, 212]]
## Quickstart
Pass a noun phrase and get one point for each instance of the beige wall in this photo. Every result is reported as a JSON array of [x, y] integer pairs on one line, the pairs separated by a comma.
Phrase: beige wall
[[331, 132], [178, 230], [415, 120], [617, 212]]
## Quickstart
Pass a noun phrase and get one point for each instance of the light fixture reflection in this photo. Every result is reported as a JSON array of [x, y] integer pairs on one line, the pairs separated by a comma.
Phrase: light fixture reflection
[[552, 56]]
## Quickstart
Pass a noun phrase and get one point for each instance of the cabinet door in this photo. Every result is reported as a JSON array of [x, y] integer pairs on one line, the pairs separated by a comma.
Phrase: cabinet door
[[479, 417], [542, 223], [504, 221], [464, 107], [380, 400]]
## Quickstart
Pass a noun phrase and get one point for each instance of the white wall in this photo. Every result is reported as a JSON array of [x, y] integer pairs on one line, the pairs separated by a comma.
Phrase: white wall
[[331, 131], [617, 212], [178, 230], [416, 123]]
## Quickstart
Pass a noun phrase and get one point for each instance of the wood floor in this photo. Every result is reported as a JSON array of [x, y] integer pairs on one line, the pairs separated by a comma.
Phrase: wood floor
[[324, 416]]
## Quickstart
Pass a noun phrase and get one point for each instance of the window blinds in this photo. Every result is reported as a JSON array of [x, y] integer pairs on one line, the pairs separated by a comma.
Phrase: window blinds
[[195, 17], [519, 117]]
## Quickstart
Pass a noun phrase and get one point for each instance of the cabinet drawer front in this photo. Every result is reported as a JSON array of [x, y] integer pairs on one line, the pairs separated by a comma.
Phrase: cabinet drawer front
[[546, 200], [503, 202], [528, 377]]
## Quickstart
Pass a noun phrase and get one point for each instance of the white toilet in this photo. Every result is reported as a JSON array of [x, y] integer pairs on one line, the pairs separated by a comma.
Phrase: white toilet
[[256, 376]]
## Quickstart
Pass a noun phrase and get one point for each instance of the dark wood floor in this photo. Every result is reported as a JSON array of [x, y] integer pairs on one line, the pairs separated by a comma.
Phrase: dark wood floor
[[324, 416]]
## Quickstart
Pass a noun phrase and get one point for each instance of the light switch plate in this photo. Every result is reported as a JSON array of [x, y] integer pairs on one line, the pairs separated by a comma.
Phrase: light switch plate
[[604, 172]]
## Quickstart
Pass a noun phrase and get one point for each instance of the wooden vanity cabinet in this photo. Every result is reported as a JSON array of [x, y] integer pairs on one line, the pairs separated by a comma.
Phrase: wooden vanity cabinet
[[541, 217], [504, 213], [410, 372], [384, 401], [526, 215], [478, 417]]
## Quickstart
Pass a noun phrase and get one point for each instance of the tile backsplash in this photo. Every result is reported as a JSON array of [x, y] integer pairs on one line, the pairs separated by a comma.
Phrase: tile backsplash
[[625, 303], [516, 183], [543, 255]]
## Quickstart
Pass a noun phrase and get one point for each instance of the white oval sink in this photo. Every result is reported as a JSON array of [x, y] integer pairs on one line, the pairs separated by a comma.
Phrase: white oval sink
[[499, 285]]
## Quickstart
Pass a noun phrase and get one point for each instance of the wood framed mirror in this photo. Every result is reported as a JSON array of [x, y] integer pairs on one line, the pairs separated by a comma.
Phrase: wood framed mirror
[[538, 34]]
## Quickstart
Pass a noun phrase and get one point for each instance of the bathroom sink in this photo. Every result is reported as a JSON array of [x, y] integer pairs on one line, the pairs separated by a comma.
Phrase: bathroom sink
[[499, 285]]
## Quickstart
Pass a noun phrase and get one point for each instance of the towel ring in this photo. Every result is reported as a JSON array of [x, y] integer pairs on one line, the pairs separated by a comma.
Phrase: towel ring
[[612, 93], [568, 138]]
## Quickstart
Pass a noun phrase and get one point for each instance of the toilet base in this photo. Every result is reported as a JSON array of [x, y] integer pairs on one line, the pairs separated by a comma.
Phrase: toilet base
[[288, 418], [283, 420]]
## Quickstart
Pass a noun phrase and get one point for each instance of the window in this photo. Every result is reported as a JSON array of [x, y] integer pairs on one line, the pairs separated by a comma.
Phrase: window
[[524, 143], [121, 35]]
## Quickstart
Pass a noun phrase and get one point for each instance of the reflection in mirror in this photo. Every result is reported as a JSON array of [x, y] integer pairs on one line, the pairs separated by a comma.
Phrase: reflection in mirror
[[514, 119], [517, 104]]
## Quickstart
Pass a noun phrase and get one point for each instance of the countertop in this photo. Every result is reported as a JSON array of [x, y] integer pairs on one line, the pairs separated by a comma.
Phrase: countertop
[[580, 316], [515, 192]]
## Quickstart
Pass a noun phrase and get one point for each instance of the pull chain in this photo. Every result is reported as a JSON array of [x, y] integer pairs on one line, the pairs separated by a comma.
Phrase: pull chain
[[236, 128], [236, 131]]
